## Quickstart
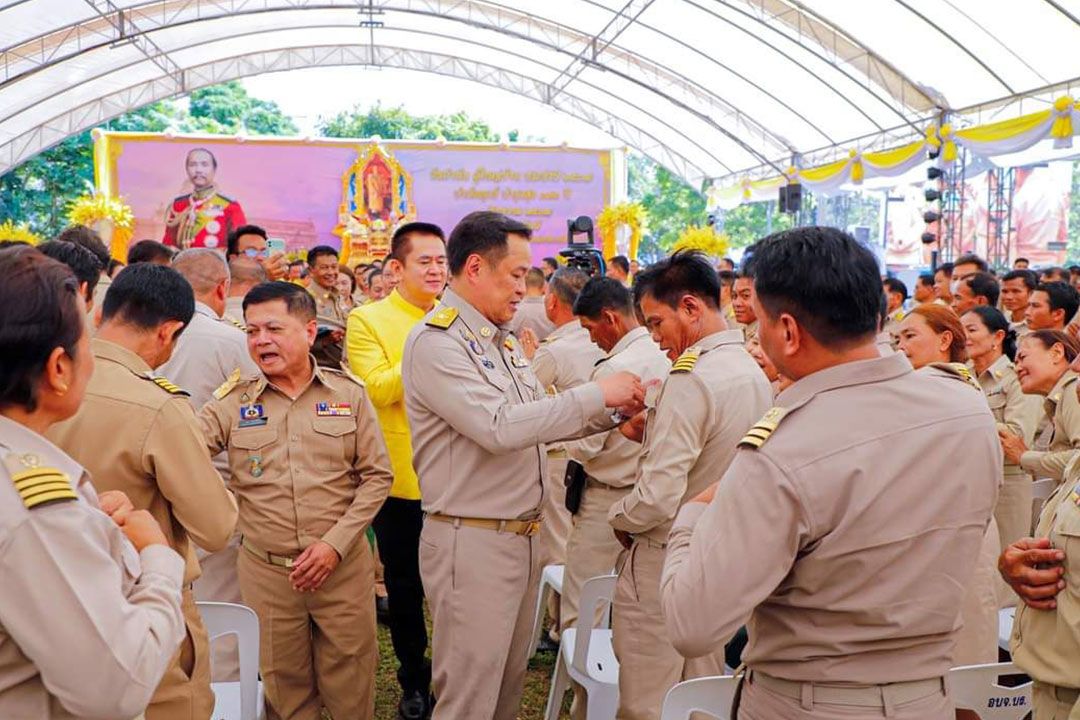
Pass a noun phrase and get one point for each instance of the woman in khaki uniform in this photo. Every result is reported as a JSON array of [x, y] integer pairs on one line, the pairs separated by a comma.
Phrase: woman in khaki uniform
[[932, 335], [991, 347]]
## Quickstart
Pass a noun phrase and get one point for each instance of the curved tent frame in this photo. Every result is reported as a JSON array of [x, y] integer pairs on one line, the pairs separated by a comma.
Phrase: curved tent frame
[[712, 89]]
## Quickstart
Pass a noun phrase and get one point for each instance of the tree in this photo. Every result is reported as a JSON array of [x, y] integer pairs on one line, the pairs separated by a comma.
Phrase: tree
[[399, 124], [671, 205], [38, 191]]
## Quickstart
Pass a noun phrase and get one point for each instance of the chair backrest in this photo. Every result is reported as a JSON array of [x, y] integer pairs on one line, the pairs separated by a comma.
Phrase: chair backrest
[[976, 687], [232, 619], [600, 589], [709, 695]]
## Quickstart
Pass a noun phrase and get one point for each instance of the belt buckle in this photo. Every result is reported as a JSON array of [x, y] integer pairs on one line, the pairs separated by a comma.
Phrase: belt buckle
[[288, 563], [531, 528]]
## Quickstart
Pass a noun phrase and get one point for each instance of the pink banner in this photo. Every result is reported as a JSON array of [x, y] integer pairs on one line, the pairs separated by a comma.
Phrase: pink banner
[[295, 189]]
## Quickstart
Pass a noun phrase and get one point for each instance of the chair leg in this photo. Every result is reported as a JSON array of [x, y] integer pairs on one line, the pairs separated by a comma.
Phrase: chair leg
[[560, 683], [603, 703], [538, 622]]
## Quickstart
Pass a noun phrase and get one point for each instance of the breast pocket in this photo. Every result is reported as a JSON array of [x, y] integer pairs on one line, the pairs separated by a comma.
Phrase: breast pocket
[[334, 439], [1065, 535], [249, 450]]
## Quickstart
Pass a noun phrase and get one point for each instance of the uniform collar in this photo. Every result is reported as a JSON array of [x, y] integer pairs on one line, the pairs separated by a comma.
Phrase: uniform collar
[[861, 372], [395, 299], [1058, 390], [717, 339], [105, 350], [566, 330], [486, 332], [317, 373], [629, 339], [998, 368], [22, 440], [204, 309], [533, 299]]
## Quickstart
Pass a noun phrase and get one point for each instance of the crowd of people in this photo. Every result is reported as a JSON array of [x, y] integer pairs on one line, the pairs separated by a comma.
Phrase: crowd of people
[[793, 468]]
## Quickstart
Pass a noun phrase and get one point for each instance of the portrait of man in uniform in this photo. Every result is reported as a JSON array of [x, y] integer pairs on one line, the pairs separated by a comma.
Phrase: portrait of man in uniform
[[203, 217], [378, 189]]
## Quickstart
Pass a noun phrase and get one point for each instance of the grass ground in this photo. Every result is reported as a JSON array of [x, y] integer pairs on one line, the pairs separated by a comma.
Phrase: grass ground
[[533, 702]]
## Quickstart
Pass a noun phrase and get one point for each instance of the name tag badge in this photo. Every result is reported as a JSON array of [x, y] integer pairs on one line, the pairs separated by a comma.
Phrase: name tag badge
[[333, 409], [252, 416]]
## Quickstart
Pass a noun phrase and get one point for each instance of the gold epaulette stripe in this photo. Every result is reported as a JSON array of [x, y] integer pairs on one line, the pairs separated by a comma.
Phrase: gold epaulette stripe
[[40, 485], [168, 386], [29, 484], [753, 441], [33, 501], [443, 318]]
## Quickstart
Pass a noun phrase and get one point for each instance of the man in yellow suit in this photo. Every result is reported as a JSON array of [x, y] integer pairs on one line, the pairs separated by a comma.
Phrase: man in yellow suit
[[375, 339]]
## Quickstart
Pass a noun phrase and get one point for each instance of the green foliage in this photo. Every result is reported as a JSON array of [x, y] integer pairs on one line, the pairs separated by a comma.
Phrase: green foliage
[[39, 190], [398, 124], [670, 204]]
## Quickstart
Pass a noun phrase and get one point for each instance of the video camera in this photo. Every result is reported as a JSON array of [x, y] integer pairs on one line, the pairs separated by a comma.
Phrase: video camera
[[583, 255]]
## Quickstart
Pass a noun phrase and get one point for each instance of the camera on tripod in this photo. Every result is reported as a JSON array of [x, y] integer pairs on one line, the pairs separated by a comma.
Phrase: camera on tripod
[[582, 255]]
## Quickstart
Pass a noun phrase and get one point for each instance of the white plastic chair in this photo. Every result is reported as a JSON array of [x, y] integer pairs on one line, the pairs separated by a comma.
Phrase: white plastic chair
[[587, 657], [236, 700], [975, 687], [1005, 626], [550, 579], [1040, 491], [709, 695]]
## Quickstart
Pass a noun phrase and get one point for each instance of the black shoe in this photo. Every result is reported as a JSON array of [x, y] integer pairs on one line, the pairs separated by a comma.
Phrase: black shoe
[[382, 610], [415, 705], [546, 644]]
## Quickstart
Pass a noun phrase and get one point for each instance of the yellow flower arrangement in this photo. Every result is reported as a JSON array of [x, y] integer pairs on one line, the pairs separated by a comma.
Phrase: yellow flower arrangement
[[11, 232], [705, 239], [97, 210], [612, 218]]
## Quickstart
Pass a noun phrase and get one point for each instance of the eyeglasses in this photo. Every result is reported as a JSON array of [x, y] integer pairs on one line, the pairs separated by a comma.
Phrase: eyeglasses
[[253, 253]]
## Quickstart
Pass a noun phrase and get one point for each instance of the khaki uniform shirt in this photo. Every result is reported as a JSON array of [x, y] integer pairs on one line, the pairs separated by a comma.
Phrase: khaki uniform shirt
[[234, 310], [690, 436], [328, 305], [750, 331], [891, 326], [87, 625], [479, 418], [531, 314], [304, 469], [1014, 411], [608, 457], [1061, 436], [1046, 643], [566, 358], [209, 351], [1020, 328], [142, 438], [851, 567]]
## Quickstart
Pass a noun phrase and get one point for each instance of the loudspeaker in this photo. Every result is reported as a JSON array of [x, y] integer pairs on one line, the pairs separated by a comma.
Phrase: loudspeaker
[[790, 199]]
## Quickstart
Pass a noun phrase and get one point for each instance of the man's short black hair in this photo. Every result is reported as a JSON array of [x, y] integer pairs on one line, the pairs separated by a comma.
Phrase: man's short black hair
[[896, 285], [620, 262], [824, 278], [148, 251], [551, 262], [89, 239], [686, 272], [926, 279], [1061, 296], [482, 233], [971, 259], [320, 251], [298, 301], [565, 284], [727, 278], [946, 267], [1021, 259], [145, 295], [1031, 280], [232, 242], [1074, 269], [984, 285], [40, 297], [1055, 274], [401, 242], [603, 293], [83, 263]]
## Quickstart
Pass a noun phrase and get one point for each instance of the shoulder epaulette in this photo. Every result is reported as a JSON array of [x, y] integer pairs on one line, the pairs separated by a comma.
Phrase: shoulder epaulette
[[228, 200], [443, 318], [233, 321], [166, 385], [349, 374], [37, 485], [178, 198], [958, 370], [227, 387], [685, 362], [763, 428]]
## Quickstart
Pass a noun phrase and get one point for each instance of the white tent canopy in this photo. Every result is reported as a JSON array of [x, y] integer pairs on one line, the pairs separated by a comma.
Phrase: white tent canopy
[[712, 89]]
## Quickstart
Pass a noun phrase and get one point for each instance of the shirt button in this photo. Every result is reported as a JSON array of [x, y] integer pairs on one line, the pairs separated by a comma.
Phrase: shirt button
[[294, 438]]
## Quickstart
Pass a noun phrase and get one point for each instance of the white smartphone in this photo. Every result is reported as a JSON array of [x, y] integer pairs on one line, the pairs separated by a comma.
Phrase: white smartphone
[[275, 245]]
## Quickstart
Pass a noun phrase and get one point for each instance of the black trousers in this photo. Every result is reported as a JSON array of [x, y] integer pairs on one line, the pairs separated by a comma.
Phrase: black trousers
[[397, 529]]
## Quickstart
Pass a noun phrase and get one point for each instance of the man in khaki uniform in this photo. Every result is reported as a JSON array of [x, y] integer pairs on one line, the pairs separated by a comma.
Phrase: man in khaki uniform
[[90, 604], [532, 313], [136, 433], [708, 401], [478, 418], [829, 637], [310, 470], [563, 361], [742, 305], [331, 314], [1043, 570], [210, 350]]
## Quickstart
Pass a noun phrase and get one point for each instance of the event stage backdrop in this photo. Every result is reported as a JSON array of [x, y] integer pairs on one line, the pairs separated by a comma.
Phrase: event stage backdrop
[[300, 189]]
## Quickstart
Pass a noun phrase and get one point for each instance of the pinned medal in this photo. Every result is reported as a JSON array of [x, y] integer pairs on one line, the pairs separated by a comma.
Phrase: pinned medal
[[471, 339], [519, 362], [255, 465], [486, 332], [333, 409], [487, 363], [252, 416]]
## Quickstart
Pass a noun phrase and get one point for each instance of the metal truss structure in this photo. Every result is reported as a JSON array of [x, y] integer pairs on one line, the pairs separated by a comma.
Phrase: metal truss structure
[[712, 89], [1001, 184]]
